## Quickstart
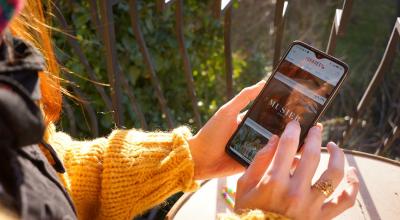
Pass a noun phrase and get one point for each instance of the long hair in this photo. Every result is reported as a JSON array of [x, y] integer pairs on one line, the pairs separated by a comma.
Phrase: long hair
[[31, 25]]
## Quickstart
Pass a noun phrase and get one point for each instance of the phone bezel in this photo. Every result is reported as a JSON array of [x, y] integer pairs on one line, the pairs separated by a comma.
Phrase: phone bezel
[[329, 99]]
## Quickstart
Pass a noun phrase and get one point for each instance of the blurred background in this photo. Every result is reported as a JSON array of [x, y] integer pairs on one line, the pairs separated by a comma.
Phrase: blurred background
[[252, 27]]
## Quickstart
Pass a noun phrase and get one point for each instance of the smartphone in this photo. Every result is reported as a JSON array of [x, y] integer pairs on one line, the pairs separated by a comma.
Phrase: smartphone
[[300, 88]]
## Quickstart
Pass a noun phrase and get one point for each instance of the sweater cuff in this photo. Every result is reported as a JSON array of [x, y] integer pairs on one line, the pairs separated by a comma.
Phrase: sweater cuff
[[253, 215], [142, 169], [180, 143]]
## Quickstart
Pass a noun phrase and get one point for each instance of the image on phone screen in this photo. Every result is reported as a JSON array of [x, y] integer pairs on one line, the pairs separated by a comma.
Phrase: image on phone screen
[[298, 90]]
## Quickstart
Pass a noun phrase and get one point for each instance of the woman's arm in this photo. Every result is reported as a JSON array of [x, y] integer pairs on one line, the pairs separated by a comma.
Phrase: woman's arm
[[131, 171], [125, 174]]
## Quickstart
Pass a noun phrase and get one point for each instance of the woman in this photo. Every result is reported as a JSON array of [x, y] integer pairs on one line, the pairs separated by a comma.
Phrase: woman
[[130, 171]]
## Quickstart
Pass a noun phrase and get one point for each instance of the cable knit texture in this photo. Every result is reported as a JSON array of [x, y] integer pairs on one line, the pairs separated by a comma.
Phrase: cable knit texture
[[125, 174]]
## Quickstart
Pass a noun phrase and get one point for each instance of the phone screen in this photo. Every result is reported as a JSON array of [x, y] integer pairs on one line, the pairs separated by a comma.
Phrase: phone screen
[[298, 90]]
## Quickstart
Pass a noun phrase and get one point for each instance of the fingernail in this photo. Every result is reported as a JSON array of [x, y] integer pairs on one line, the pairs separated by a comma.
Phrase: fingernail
[[316, 129], [319, 126], [333, 144], [293, 123]]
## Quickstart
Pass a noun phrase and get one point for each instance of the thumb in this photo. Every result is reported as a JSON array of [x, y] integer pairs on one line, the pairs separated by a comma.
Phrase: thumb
[[261, 161], [241, 100]]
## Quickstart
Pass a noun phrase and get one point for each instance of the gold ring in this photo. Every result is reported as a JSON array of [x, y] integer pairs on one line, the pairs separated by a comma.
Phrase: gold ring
[[324, 186]]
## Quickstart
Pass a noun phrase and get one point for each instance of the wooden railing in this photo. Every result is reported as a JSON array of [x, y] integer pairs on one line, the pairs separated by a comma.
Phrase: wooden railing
[[279, 26], [367, 97], [222, 9], [149, 62], [339, 24]]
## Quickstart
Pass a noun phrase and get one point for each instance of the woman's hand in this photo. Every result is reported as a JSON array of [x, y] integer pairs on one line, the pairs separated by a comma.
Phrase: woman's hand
[[270, 183], [208, 145]]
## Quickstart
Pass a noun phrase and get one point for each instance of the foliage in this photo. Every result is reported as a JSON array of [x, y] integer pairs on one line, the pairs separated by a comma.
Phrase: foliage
[[361, 47], [204, 41]]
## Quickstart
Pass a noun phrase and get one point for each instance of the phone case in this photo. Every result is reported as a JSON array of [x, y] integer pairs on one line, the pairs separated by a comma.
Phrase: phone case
[[329, 100]]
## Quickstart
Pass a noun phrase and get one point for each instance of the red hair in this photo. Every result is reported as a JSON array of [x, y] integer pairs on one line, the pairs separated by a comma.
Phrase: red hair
[[31, 26]]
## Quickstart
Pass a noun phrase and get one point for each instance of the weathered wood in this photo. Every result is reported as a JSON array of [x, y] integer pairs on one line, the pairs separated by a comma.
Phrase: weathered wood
[[383, 68], [279, 26], [112, 65], [94, 17], [186, 62], [162, 4], [220, 6], [278, 12], [133, 11], [388, 141], [228, 52], [224, 7], [128, 90], [340, 21]]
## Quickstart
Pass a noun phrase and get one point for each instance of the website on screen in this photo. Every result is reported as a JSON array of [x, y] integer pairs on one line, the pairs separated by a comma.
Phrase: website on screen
[[297, 91]]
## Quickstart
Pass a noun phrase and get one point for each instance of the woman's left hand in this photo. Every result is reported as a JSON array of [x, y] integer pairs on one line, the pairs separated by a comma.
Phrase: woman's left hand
[[208, 145]]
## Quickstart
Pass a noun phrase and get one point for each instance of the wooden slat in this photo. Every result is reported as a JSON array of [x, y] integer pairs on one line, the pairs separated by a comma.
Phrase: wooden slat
[[186, 62], [73, 42], [94, 17], [388, 141], [345, 18], [278, 12], [220, 6], [342, 17], [131, 96], [162, 4], [228, 52], [112, 65], [279, 26], [224, 7], [148, 61], [383, 68]]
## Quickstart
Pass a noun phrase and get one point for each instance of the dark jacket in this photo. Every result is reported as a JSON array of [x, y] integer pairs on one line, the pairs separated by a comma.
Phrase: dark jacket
[[29, 185]]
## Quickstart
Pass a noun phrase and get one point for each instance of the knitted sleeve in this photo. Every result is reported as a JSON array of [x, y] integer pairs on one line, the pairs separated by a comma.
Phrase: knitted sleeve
[[129, 172], [125, 174]]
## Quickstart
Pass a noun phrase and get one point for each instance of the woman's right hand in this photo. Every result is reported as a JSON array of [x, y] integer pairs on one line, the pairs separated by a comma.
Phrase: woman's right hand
[[270, 184]]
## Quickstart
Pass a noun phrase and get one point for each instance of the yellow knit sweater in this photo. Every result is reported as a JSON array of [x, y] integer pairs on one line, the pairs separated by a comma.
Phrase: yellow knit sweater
[[127, 173]]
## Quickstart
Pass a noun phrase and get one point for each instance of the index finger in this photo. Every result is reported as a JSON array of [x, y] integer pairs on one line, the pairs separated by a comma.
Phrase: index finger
[[287, 149]]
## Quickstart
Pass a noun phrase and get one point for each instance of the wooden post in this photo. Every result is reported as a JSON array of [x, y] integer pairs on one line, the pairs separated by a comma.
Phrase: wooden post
[[112, 65]]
